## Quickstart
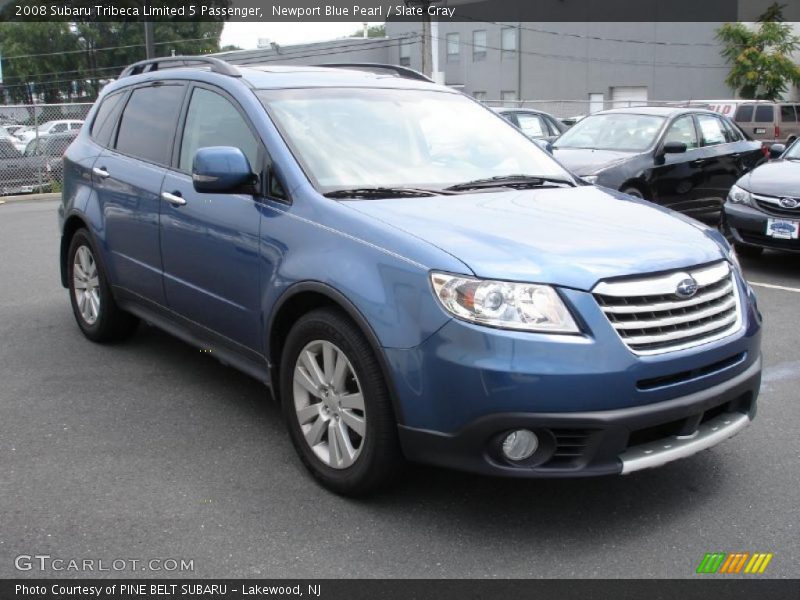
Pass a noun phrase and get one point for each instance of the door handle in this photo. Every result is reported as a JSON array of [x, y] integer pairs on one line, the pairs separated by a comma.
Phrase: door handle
[[101, 172], [174, 199], [697, 163]]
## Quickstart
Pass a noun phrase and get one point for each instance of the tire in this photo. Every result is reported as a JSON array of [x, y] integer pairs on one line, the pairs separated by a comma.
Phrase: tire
[[748, 251], [633, 191], [324, 396], [93, 305]]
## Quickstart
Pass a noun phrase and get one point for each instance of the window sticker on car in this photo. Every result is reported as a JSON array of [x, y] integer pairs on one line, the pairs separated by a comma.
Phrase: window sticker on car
[[783, 229]]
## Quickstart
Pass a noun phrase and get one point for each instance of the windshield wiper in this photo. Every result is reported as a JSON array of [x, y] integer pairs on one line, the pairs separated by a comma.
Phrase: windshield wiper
[[381, 192], [513, 181]]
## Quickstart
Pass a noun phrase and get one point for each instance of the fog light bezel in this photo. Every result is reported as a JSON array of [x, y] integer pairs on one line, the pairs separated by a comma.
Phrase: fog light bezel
[[543, 453]]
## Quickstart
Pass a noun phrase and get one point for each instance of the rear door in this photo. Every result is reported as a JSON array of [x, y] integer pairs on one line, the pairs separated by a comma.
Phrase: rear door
[[128, 177], [720, 161], [210, 242], [789, 122]]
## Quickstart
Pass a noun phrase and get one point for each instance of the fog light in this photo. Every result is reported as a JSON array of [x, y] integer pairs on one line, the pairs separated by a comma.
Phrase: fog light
[[520, 444]]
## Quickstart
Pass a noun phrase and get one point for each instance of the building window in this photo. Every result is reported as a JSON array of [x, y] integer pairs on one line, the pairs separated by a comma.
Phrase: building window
[[479, 96], [453, 47], [405, 53], [508, 41], [596, 102], [509, 98], [479, 45]]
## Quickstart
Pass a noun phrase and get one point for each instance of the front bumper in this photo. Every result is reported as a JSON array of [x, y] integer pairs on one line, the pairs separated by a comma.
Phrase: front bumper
[[598, 442], [747, 225]]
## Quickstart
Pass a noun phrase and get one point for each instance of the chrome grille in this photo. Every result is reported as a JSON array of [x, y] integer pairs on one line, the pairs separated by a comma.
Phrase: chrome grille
[[651, 318], [772, 205]]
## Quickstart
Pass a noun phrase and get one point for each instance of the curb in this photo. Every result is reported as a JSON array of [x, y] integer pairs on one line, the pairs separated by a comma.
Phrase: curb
[[29, 198]]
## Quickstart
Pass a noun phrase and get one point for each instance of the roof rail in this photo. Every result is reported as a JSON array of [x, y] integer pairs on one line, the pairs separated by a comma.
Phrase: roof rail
[[154, 64], [404, 72]]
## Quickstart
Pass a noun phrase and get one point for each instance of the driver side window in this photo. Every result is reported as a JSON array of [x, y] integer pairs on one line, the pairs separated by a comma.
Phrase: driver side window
[[683, 130]]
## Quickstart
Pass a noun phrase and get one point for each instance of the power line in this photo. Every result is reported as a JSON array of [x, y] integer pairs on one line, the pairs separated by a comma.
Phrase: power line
[[570, 58], [599, 38], [85, 50]]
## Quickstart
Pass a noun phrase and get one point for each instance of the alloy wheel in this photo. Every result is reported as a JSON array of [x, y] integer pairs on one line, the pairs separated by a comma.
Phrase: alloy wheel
[[329, 403], [86, 285]]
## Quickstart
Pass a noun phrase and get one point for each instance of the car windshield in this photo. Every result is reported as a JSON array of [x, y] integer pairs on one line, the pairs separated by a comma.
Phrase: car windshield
[[613, 131], [350, 138], [793, 153]]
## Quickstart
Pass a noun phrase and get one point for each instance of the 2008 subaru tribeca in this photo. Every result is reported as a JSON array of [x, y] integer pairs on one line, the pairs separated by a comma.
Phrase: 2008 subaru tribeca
[[407, 272]]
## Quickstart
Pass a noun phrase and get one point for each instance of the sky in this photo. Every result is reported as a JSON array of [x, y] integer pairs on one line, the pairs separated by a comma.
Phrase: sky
[[246, 35]]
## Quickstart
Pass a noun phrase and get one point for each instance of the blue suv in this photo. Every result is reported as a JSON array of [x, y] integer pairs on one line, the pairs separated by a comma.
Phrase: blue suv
[[407, 273]]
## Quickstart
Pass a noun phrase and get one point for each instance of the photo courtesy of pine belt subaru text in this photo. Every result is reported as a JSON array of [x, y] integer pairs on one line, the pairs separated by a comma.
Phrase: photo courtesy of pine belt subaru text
[[411, 277]]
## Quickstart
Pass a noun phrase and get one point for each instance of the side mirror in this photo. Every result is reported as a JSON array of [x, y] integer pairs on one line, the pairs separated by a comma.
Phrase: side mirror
[[776, 150], [544, 145], [222, 170], [674, 148]]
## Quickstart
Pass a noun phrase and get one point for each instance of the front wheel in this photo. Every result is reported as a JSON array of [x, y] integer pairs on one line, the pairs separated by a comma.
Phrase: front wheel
[[632, 191], [336, 404]]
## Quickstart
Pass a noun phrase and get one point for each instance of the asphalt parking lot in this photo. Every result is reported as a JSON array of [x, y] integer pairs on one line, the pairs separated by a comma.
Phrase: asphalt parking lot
[[151, 449]]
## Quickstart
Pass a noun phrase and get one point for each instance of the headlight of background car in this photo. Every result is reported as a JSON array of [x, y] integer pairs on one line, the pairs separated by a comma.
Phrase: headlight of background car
[[522, 306], [739, 196]]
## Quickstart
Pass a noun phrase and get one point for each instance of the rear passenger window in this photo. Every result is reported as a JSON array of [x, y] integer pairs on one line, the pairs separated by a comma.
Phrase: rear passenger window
[[213, 121], [711, 130], [106, 118], [732, 133], [149, 122], [765, 113], [788, 114], [744, 114]]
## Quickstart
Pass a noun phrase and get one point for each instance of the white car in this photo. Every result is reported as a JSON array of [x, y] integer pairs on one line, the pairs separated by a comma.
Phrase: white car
[[51, 127]]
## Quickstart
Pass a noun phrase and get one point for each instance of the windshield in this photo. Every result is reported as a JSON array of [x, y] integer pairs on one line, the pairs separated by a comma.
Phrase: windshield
[[347, 138], [613, 131], [793, 152]]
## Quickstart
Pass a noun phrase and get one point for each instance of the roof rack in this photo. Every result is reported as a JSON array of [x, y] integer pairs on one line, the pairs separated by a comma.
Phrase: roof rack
[[404, 72], [155, 64]]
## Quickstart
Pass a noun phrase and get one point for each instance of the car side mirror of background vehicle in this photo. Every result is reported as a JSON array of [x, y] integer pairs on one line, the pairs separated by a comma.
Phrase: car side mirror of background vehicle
[[776, 150], [222, 170], [544, 145], [674, 148]]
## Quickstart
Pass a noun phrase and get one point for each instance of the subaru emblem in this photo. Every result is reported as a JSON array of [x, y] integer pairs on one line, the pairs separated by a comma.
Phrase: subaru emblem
[[686, 288], [789, 202]]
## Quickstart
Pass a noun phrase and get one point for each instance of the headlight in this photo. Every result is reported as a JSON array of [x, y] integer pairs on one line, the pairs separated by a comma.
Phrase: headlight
[[590, 179], [738, 195], [522, 306]]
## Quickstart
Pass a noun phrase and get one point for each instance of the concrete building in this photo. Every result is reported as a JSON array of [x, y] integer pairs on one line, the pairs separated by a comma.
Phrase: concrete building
[[564, 68]]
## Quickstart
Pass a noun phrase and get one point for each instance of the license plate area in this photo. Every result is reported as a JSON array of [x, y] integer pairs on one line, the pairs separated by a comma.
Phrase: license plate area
[[783, 229]]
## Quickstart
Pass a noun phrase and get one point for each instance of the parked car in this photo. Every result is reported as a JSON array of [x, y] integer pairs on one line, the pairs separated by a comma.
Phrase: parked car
[[12, 129], [37, 168], [47, 153], [536, 124], [50, 128], [763, 208], [405, 271], [683, 158]]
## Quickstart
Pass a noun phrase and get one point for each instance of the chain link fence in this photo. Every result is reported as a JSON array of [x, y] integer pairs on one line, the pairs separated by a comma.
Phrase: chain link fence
[[33, 139]]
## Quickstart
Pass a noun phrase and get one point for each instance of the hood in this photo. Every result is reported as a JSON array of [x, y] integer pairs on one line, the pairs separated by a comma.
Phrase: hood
[[584, 161], [777, 178], [569, 237]]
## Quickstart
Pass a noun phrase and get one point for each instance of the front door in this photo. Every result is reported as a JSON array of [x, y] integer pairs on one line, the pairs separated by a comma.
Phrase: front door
[[210, 242], [677, 177]]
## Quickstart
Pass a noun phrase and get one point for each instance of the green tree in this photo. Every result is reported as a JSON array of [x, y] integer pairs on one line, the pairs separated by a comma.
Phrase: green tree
[[373, 31], [761, 60]]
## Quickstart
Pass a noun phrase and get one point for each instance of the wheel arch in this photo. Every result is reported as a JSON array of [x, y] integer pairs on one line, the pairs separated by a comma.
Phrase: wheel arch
[[71, 225], [300, 299]]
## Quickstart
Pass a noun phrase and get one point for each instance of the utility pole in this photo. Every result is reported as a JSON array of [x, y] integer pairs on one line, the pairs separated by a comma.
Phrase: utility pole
[[427, 45], [149, 44]]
